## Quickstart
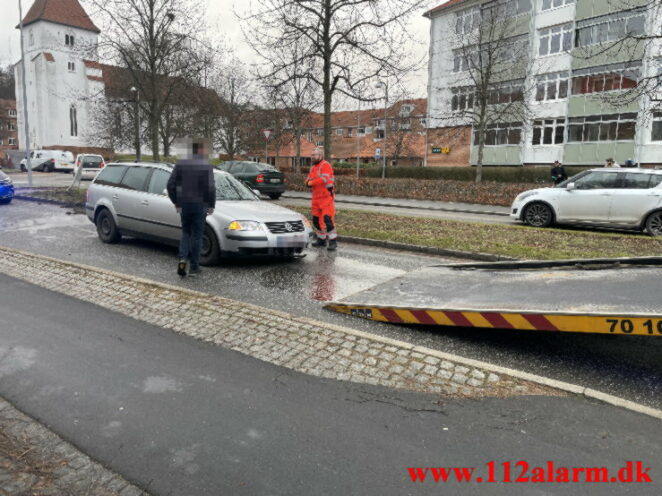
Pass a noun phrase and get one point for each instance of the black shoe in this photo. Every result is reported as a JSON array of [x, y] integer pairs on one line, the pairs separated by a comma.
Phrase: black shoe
[[333, 244], [181, 268], [319, 243], [194, 272]]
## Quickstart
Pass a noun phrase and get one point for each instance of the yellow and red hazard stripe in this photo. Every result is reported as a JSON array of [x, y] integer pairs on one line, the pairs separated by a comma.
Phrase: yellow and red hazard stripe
[[645, 325]]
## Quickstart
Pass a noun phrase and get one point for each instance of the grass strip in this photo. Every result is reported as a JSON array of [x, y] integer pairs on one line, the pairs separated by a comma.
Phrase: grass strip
[[516, 241]]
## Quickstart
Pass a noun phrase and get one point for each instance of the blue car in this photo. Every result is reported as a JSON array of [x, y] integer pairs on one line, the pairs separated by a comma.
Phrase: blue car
[[6, 188]]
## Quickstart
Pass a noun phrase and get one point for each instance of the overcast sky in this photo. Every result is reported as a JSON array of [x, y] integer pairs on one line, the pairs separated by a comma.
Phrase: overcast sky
[[221, 19]]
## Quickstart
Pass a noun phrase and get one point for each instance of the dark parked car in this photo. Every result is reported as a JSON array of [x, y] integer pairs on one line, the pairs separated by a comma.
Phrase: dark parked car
[[6, 188], [263, 177]]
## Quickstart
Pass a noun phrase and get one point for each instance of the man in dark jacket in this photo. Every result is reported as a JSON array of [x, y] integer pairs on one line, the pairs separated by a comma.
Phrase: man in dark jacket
[[558, 173], [192, 189]]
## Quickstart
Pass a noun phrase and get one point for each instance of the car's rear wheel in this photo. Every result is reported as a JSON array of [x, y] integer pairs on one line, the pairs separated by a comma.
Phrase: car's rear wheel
[[275, 196], [210, 251], [654, 224], [538, 215], [106, 227], [23, 168]]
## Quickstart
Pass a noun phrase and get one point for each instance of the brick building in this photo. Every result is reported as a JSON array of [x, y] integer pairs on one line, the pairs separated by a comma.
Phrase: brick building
[[8, 125]]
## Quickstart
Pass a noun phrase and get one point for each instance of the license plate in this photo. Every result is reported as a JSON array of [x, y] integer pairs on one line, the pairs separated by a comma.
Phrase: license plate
[[274, 180], [290, 240]]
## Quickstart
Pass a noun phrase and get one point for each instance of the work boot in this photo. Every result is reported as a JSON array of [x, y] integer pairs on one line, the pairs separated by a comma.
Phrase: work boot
[[319, 243], [333, 244], [181, 268], [194, 272]]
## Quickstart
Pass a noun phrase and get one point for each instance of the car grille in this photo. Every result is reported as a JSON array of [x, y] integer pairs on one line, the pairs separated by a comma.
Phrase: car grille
[[285, 227]]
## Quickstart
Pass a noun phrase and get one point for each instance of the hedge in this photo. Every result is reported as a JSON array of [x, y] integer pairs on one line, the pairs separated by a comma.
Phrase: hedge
[[538, 175]]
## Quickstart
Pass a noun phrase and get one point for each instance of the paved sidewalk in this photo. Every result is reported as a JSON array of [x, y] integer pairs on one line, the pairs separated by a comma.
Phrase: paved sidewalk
[[34, 461], [298, 343], [472, 208]]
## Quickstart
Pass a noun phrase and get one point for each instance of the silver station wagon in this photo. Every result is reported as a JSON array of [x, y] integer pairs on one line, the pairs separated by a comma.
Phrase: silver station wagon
[[131, 199]]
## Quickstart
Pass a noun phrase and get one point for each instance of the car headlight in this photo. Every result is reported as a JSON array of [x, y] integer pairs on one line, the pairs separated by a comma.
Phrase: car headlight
[[6, 181], [524, 196], [244, 225]]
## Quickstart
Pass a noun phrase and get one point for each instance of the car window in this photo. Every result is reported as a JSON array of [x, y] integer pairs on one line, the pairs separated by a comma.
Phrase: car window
[[91, 160], [230, 189], [111, 175], [632, 180], [158, 182], [597, 180], [266, 168], [238, 168], [656, 179], [135, 178]]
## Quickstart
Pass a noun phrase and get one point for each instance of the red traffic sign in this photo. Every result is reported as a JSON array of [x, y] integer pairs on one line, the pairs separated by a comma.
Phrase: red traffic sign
[[267, 133]]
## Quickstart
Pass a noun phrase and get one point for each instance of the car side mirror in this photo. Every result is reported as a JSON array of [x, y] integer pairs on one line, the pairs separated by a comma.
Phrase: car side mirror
[[570, 186], [165, 192], [256, 192]]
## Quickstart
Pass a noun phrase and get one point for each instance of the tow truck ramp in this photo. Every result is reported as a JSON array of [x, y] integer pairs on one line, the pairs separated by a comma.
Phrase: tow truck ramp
[[603, 296]]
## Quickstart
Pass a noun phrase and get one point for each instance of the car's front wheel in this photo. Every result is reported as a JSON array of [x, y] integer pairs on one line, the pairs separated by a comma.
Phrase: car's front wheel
[[106, 227], [210, 251], [275, 196], [49, 168], [23, 168], [653, 224], [538, 215]]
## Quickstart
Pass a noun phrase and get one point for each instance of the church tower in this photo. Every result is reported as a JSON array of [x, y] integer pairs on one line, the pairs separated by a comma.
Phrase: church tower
[[63, 74]]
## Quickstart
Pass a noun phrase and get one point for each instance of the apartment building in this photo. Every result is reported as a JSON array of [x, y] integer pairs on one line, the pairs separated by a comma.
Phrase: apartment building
[[8, 125], [357, 134], [580, 83]]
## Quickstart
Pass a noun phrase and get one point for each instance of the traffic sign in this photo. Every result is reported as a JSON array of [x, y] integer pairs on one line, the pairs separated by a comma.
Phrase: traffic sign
[[267, 133], [378, 153]]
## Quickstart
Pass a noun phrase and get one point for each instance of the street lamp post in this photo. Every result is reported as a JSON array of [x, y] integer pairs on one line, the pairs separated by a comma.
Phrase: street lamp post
[[136, 121], [382, 84], [28, 162]]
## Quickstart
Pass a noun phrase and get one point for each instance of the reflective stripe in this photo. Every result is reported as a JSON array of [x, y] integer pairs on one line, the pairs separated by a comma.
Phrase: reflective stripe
[[332, 235]]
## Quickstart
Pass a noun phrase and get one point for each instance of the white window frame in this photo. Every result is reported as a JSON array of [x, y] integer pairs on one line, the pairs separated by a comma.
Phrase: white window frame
[[71, 66], [12, 141], [602, 122], [546, 5], [552, 124], [12, 112], [462, 98], [610, 27], [558, 82], [498, 130], [547, 36], [339, 132], [467, 20], [360, 131], [657, 123]]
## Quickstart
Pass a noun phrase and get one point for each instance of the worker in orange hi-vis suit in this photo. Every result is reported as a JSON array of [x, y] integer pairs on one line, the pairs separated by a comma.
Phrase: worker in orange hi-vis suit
[[321, 181]]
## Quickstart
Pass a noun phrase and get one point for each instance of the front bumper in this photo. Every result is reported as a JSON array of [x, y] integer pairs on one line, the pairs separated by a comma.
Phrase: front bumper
[[6, 192], [266, 243]]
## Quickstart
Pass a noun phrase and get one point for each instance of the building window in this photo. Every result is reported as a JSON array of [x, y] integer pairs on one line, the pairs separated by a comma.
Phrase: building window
[[405, 124], [406, 110], [350, 131], [11, 126], [548, 131], [467, 20], [71, 66], [12, 112], [554, 4], [501, 134], [73, 121], [657, 127], [69, 39], [611, 127], [319, 143], [320, 132], [31, 37], [379, 134], [289, 124], [552, 86], [507, 92], [339, 132], [360, 131], [555, 39], [462, 99], [423, 121], [504, 9], [461, 59], [606, 78], [610, 27], [12, 141]]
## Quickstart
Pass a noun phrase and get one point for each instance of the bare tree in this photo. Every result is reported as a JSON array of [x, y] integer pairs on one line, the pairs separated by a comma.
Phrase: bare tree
[[156, 42], [492, 74], [7, 91], [344, 43]]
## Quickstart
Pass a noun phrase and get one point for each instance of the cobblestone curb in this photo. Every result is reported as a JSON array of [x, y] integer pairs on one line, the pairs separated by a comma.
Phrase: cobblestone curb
[[34, 461], [301, 344]]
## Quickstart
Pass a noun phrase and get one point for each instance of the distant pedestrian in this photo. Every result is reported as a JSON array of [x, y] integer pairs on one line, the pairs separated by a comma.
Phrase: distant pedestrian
[[610, 162], [321, 181], [192, 189], [629, 163], [558, 173]]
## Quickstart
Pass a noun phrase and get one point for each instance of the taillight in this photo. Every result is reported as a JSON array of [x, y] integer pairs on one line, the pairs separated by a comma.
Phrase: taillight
[[103, 164], [259, 178]]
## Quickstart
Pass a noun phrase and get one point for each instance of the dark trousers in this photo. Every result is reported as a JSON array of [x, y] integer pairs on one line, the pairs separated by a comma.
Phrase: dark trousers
[[193, 225]]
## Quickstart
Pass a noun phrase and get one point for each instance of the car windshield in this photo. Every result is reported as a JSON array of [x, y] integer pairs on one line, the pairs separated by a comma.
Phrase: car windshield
[[266, 168], [229, 189], [92, 160]]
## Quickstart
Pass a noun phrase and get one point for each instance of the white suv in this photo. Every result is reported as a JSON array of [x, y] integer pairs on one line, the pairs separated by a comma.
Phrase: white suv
[[621, 198]]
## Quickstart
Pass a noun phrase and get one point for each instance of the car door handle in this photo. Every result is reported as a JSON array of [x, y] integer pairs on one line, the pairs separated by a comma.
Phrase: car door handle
[[116, 197], [144, 202]]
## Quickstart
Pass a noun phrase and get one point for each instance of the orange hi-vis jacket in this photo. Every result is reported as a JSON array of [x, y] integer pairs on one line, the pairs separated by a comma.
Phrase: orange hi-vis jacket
[[321, 180]]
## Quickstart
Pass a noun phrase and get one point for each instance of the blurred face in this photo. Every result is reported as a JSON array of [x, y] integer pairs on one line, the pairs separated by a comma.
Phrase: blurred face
[[317, 156]]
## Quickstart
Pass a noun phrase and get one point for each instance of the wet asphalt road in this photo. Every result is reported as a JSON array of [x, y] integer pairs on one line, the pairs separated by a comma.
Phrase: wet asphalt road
[[627, 366], [179, 417]]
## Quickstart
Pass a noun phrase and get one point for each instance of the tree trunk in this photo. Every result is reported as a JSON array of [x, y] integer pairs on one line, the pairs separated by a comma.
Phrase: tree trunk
[[154, 130]]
